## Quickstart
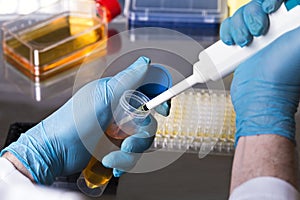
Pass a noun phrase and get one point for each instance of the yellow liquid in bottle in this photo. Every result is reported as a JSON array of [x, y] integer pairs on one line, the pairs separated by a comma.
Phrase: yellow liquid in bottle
[[95, 174], [61, 42]]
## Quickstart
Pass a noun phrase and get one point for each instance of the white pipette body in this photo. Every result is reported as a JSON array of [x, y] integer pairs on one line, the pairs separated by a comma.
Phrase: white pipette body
[[219, 60]]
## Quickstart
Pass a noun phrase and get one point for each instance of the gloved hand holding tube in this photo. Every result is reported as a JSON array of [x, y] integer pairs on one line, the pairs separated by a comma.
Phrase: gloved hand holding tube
[[54, 147]]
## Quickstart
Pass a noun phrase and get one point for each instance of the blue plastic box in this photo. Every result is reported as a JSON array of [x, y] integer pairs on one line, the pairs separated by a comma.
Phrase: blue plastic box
[[188, 16]]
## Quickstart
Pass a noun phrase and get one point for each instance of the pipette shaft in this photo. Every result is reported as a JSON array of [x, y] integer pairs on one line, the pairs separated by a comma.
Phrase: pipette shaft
[[173, 91]]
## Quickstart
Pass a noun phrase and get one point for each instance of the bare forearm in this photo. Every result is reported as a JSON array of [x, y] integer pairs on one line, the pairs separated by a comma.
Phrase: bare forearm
[[18, 165], [264, 155]]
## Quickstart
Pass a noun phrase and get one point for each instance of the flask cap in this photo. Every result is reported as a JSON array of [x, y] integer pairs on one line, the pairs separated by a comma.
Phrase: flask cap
[[112, 8]]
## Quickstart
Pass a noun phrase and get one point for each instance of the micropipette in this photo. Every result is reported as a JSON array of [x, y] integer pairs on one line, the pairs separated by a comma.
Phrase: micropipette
[[219, 60]]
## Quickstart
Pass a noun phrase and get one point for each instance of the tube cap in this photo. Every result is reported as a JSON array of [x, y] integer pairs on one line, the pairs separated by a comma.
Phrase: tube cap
[[157, 80], [112, 8]]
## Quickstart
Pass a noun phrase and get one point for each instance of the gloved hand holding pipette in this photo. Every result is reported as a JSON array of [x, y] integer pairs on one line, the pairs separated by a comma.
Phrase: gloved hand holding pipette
[[219, 60], [265, 93], [266, 89], [271, 76], [54, 147], [249, 21]]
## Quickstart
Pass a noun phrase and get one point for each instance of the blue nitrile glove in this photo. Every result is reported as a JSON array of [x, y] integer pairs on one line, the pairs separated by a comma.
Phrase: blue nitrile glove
[[131, 149], [265, 89], [54, 147], [248, 21]]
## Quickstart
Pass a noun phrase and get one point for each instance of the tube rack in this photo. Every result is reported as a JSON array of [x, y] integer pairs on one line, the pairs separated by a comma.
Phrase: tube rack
[[199, 119]]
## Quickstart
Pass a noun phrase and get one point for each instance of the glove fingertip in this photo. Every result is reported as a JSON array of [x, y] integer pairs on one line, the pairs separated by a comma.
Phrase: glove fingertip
[[127, 146], [267, 7], [225, 34], [141, 61], [107, 161], [164, 108], [145, 59], [137, 143], [270, 6], [245, 42], [117, 173], [129, 78], [229, 42]]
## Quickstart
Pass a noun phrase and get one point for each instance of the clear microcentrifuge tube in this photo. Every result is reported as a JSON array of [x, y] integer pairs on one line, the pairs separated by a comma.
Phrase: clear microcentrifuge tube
[[126, 119]]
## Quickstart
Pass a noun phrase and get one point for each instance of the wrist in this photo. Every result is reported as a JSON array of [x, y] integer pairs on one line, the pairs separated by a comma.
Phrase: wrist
[[263, 123], [265, 108], [264, 156], [18, 165], [32, 151]]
